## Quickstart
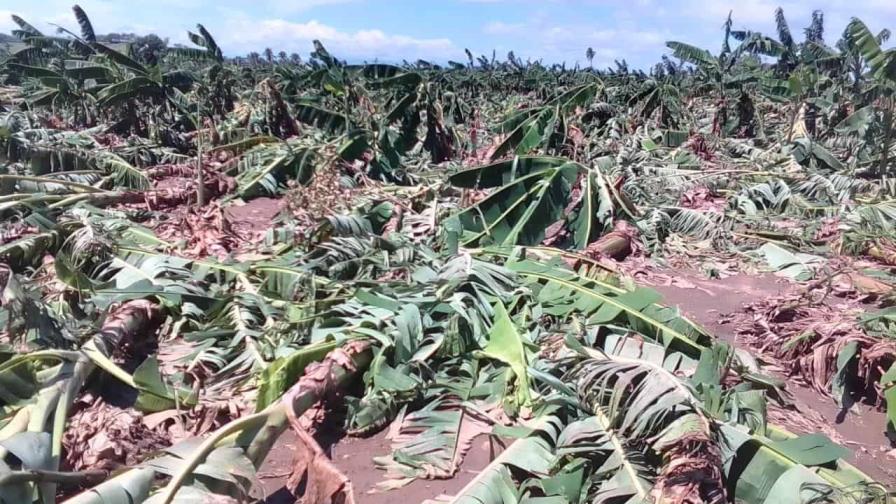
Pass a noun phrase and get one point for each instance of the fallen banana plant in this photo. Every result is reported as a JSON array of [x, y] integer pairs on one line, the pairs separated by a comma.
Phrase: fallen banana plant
[[640, 433], [536, 199], [454, 239], [245, 441], [38, 425]]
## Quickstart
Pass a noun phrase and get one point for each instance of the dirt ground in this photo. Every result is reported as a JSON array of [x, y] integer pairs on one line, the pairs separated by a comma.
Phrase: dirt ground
[[354, 457], [862, 429], [254, 216]]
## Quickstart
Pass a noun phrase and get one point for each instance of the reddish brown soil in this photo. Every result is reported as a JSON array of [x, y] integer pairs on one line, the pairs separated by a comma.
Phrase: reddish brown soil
[[707, 299], [862, 430], [354, 457], [255, 215]]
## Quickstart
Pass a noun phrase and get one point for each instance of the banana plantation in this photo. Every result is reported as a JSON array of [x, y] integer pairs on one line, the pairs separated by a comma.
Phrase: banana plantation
[[225, 279]]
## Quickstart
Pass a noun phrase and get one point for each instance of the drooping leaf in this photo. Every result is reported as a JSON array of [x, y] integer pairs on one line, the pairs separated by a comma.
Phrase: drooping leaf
[[797, 266], [521, 211]]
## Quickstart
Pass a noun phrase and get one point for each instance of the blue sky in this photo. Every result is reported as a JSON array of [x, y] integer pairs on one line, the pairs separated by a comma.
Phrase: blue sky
[[439, 30]]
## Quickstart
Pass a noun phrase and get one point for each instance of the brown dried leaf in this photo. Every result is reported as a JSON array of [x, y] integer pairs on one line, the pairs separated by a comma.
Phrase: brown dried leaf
[[324, 483], [105, 437]]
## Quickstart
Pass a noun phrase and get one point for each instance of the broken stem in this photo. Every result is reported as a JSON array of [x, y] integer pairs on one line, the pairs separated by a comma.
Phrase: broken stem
[[334, 373], [63, 478]]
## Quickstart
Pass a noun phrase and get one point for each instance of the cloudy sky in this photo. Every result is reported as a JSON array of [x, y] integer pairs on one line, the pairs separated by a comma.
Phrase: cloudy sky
[[439, 30]]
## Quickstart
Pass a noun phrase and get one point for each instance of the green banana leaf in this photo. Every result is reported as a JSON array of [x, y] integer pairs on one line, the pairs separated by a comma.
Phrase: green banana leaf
[[536, 193]]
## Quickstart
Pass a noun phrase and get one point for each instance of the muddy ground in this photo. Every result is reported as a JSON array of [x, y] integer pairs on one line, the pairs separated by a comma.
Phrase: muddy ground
[[255, 216]]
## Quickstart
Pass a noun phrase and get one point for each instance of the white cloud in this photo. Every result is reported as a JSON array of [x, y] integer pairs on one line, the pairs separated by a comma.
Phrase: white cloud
[[538, 37], [744, 12], [6, 23], [239, 33], [105, 16], [242, 34]]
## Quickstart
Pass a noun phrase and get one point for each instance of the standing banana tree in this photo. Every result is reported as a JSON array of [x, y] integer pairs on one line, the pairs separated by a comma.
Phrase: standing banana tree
[[719, 76], [785, 49], [68, 85], [882, 66]]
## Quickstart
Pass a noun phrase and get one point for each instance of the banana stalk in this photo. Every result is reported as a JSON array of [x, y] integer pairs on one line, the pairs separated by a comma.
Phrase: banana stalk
[[51, 410], [256, 433]]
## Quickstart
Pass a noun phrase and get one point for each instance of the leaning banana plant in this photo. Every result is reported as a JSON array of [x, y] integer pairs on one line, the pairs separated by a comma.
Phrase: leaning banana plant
[[537, 127]]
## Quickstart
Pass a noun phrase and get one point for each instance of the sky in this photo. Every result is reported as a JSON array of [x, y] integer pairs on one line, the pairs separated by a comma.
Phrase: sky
[[439, 30]]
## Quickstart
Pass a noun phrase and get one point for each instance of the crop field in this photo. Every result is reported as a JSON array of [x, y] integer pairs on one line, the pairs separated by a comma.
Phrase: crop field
[[299, 279]]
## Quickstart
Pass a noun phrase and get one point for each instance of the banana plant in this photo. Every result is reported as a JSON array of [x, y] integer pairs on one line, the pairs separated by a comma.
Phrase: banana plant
[[33, 433], [631, 422], [788, 52], [719, 76], [70, 85], [208, 48], [882, 64], [224, 462]]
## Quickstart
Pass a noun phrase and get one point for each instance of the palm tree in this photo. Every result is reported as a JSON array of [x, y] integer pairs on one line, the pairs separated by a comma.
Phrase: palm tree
[[590, 55]]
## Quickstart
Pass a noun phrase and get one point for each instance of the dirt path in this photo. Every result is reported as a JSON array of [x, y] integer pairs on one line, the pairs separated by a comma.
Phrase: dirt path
[[862, 430]]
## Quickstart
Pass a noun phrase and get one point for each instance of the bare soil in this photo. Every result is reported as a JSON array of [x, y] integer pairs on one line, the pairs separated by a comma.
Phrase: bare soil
[[354, 457], [254, 216], [862, 429]]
